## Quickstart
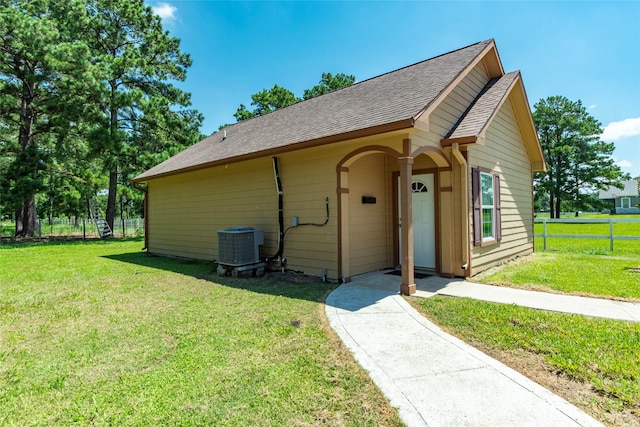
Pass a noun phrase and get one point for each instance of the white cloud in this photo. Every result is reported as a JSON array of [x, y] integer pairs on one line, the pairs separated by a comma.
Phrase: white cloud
[[624, 164], [617, 130], [592, 106], [165, 11]]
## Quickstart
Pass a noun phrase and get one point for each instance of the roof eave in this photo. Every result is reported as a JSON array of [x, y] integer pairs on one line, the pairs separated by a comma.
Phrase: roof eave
[[527, 126], [525, 123], [405, 124], [464, 140]]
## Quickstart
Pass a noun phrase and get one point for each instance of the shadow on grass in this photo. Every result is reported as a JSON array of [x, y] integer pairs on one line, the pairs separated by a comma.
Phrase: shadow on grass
[[11, 242], [290, 285]]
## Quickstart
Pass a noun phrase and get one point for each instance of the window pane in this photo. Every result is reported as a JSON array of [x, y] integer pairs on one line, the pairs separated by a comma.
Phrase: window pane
[[488, 208], [487, 189], [487, 223]]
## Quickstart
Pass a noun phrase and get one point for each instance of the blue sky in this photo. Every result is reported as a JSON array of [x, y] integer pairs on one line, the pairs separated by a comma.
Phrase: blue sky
[[584, 50]]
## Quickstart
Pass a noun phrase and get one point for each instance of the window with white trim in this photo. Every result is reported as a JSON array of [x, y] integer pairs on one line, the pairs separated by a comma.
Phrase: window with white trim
[[487, 221], [488, 208], [625, 202]]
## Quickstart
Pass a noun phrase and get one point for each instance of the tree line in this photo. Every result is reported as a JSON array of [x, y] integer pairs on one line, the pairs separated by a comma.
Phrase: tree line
[[86, 102], [579, 162]]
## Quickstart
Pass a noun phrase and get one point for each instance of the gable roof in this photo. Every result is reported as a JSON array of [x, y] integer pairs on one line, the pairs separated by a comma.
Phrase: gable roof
[[385, 103], [630, 190], [477, 117], [389, 102], [474, 122]]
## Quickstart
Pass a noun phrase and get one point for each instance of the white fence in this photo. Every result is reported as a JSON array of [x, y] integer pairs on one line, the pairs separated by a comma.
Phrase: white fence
[[611, 236]]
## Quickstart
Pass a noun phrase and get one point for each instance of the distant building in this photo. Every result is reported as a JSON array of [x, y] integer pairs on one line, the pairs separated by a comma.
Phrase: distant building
[[625, 200]]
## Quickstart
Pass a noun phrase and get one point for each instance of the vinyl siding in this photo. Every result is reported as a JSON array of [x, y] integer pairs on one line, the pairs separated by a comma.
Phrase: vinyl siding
[[369, 223], [186, 210], [442, 120], [505, 154], [634, 200], [447, 114]]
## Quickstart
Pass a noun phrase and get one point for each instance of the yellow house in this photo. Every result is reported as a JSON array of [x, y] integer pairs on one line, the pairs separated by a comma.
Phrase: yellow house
[[425, 167]]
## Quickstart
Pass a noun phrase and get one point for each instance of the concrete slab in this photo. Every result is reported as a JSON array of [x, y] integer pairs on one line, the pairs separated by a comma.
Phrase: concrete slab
[[433, 378], [435, 285], [480, 400], [595, 307]]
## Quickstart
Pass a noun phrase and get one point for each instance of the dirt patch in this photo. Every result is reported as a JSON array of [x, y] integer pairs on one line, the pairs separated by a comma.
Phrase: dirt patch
[[515, 261], [291, 277]]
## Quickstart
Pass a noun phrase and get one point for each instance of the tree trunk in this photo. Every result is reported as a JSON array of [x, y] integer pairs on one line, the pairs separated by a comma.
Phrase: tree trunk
[[557, 207], [29, 217], [113, 174], [552, 205], [26, 217], [111, 199], [50, 211], [18, 222]]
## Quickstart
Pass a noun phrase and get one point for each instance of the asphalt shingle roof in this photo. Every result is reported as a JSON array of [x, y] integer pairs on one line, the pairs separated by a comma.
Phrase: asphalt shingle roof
[[392, 98], [630, 189], [479, 113]]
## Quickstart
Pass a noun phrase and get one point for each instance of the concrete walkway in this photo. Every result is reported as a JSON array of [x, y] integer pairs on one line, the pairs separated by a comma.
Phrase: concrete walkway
[[433, 378], [435, 285]]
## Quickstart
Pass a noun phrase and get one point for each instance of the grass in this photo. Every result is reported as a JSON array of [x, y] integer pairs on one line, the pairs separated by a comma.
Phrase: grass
[[604, 276], [579, 266], [605, 354], [100, 333], [594, 363], [588, 215], [66, 227], [591, 246]]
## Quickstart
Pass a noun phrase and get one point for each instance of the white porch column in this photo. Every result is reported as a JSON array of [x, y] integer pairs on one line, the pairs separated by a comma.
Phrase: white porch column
[[408, 286]]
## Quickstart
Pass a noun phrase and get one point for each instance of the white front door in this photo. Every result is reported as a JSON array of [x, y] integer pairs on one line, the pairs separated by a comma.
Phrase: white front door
[[424, 231]]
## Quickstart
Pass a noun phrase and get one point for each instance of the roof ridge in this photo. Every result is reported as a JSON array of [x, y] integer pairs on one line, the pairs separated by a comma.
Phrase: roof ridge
[[376, 105], [488, 41], [416, 63]]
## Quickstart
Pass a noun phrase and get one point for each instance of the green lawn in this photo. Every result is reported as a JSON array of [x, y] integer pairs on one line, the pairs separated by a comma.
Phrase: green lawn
[[582, 274], [604, 354], [67, 228], [600, 358], [590, 246], [100, 333], [580, 266]]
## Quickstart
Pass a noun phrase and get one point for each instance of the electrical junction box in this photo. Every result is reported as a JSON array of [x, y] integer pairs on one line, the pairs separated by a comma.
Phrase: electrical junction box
[[294, 221]]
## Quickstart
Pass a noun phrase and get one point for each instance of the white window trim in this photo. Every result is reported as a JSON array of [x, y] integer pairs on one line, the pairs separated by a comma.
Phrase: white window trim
[[491, 206], [622, 200]]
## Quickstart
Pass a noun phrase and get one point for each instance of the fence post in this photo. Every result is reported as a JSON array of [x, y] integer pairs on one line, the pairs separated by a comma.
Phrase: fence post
[[544, 233], [611, 235]]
